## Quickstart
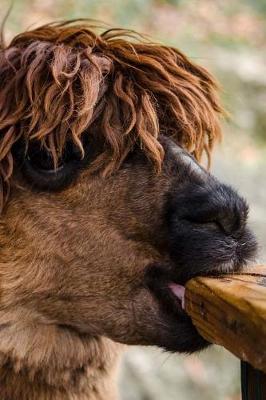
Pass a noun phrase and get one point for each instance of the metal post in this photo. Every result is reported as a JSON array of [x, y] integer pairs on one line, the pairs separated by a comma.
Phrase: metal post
[[253, 383]]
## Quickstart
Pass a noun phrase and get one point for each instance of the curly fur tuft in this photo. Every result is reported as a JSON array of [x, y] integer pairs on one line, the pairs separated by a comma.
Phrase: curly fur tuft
[[63, 80]]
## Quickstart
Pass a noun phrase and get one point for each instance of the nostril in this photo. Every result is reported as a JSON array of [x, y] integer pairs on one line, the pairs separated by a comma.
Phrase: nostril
[[221, 210], [233, 221], [227, 224], [211, 224]]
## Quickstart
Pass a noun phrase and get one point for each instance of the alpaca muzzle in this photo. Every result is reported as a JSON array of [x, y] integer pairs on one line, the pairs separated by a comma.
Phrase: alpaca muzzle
[[207, 221]]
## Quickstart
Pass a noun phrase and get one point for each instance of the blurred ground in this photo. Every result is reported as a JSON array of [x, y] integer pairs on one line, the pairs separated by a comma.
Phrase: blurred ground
[[153, 375], [229, 38]]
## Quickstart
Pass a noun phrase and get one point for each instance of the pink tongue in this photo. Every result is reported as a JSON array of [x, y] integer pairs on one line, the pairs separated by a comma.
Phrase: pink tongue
[[179, 292]]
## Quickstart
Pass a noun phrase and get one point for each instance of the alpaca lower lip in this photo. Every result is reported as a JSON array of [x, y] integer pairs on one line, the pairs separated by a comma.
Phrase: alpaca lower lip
[[179, 292]]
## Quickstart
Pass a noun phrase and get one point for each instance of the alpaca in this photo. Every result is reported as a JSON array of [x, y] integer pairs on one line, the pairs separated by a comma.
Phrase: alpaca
[[106, 212]]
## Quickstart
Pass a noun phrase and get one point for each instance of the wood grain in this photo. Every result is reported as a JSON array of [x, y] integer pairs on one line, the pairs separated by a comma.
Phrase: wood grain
[[231, 311]]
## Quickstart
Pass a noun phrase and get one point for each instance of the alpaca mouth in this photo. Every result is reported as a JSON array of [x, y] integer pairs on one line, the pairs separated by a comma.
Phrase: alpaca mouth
[[178, 289], [169, 292], [193, 251], [179, 292], [169, 289]]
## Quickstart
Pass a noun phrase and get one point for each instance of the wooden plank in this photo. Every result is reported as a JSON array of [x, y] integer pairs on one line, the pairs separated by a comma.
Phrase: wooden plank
[[231, 311]]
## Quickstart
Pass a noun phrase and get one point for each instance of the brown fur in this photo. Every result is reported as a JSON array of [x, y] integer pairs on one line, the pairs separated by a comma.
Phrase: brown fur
[[67, 265], [73, 262]]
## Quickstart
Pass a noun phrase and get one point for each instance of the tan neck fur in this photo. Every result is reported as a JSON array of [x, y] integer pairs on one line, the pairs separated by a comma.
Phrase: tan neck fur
[[49, 362], [41, 358]]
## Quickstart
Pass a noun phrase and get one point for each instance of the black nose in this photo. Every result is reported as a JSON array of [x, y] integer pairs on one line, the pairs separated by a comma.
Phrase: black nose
[[207, 230], [211, 207], [216, 206]]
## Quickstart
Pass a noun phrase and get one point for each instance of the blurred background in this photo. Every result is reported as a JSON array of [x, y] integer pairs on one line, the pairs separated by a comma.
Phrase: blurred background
[[229, 38]]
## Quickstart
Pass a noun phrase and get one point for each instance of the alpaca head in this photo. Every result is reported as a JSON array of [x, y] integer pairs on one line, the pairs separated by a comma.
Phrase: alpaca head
[[104, 207]]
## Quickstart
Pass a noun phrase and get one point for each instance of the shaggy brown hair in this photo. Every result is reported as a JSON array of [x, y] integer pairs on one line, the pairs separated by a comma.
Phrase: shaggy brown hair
[[63, 79]]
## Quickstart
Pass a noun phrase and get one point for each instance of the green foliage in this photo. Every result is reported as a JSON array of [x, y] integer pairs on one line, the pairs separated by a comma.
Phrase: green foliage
[[257, 5]]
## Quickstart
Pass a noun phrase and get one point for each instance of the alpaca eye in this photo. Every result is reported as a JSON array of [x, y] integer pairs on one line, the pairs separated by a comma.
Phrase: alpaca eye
[[43, 161], [38, 167], [40, 158]]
